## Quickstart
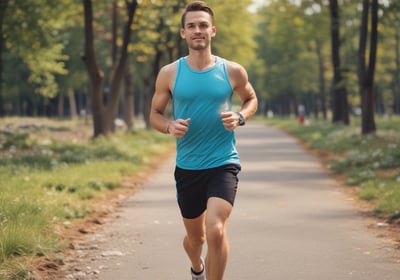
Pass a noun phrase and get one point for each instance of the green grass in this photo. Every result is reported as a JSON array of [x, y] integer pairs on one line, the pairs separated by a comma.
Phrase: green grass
[[45, 183], [371, 162]]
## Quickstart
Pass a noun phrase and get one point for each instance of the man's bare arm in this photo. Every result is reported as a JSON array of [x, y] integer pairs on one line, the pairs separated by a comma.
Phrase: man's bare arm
[[242, 87], [245, 91], [161, 98]]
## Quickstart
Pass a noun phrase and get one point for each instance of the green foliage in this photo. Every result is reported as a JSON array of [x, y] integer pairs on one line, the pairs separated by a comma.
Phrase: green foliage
[[278, 44], [8, 140], [14, 271], [286, 38], [371, 162], [155, 30], [24, 229], [385, 193], [235, 31], [287, 71], [31, 31], [28, 155], [43, 70], [45, 182]]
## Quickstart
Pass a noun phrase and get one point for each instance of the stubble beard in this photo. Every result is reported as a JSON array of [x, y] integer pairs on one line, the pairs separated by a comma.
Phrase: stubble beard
[[198, 46]]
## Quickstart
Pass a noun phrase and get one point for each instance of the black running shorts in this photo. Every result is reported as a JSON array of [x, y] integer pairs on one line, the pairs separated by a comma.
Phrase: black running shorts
[[195, 187]]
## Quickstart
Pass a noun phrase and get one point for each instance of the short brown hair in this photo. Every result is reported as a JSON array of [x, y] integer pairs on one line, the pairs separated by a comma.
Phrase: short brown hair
[[194, 7]]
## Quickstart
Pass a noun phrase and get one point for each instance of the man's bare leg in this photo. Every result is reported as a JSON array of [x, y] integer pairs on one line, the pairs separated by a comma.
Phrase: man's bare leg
[[194, 240], [218, 211]]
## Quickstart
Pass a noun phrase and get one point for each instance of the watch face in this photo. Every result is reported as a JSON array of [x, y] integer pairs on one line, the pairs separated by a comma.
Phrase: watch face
[[241, 119]]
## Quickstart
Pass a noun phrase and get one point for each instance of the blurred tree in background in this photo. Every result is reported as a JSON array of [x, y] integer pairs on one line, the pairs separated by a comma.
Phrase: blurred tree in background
[[288, 47]]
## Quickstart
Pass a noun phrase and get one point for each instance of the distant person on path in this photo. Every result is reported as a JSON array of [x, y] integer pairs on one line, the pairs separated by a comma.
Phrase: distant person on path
[[200, 86]]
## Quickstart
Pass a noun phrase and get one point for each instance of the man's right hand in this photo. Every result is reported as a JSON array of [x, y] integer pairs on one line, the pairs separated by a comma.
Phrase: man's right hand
[[179, 127]]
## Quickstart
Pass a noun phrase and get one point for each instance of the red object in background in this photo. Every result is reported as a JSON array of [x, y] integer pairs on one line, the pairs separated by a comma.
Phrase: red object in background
[[301, 119]]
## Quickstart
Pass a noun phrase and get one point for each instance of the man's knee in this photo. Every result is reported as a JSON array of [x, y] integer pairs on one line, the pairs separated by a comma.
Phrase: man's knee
[[215, 233], [196, 241]]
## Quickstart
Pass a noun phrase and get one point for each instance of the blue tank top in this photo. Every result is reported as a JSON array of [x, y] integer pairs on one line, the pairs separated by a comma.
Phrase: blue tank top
[[202, 96]]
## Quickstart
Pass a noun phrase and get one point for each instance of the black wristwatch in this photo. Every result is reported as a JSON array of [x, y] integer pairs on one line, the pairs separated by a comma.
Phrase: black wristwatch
[[242, 121]]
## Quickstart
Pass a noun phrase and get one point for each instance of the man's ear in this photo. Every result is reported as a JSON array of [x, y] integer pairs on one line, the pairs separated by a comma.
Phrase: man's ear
[[214, 31], [182, 32]]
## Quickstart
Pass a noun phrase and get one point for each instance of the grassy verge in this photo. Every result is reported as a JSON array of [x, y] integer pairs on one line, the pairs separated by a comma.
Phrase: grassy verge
[[46, 182], [371, 162]]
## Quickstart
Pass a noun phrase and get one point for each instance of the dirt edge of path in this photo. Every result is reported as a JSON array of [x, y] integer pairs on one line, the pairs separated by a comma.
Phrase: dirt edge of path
[[79, 231], [378, 224]]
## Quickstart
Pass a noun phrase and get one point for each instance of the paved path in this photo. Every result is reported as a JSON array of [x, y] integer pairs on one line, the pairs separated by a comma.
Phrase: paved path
[[290, 222]]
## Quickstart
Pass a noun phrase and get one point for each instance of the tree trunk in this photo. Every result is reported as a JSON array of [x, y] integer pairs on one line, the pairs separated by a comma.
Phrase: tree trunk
[[148, 93], [117, 76], [149, 89], [150, 83], [114, 32], [3, 7], [128, 101], [396, 92], [72, 104], [96, 76], [103, 118], [60, 106], [114, 37], [339, 99], [366, 75], [321, 102]]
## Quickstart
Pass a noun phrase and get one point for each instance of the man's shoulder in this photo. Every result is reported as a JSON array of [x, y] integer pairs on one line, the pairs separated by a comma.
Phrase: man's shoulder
[[235, 69], [169, 68], [166, 75], [167, 72], [232, 65]]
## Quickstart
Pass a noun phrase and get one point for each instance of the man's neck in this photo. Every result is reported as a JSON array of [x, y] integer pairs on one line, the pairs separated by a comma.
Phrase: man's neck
[[200, 60]]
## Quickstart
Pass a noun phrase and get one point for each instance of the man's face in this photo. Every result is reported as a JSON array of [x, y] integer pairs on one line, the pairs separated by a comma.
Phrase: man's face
[[198, 30]]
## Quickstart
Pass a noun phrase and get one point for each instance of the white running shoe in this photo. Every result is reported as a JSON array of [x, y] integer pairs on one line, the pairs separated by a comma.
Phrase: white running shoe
[[201, 276]]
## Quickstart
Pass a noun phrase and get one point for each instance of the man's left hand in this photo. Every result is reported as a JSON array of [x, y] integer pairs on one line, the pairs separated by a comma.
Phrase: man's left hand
[[230, 120]]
